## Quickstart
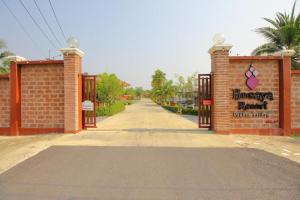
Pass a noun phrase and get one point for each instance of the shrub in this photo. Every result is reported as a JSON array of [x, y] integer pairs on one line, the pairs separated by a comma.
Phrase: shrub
[[189, 111], [185, 111], [171, 108], [111, 109]]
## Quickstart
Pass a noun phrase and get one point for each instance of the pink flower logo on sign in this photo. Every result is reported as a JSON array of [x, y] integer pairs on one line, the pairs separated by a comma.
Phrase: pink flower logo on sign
[[251, 78]]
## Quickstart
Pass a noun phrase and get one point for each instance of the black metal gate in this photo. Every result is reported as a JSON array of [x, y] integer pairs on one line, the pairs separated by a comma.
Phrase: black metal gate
[[89, 101], [204, 100]]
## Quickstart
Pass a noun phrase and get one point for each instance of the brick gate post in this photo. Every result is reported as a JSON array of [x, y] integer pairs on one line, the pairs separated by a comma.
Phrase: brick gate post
[[72, 89], [221, 93], [15, 94], [285, 91]]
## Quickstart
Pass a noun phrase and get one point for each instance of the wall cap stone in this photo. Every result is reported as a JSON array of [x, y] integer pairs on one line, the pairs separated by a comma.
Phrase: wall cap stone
[[15, 58], [287, 52], [220, 47], [67, 51]]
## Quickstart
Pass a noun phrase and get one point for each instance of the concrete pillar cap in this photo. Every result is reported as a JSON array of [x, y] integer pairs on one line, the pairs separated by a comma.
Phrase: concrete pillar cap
[[67, 51], [287, 52], [220, 47], [15, 58]]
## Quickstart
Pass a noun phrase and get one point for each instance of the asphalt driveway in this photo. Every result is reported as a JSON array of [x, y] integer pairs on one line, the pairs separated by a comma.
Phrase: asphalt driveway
[[138, 173]]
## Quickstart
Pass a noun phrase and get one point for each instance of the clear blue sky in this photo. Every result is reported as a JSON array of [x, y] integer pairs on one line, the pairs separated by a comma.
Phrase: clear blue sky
[[132, 38]]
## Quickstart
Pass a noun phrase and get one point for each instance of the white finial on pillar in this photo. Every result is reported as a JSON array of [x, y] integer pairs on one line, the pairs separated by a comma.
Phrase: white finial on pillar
[[287, 52], [219, 44], [73, 45]]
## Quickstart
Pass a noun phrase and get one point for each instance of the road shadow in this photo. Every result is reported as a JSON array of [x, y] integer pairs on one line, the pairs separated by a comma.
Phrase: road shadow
[[157, 130], [192, 118]]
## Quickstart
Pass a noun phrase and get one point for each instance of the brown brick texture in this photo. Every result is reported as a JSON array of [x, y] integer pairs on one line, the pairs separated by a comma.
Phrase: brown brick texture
[[220, 64], [295, 101], [4, 102], [72, 73], [42, 96]]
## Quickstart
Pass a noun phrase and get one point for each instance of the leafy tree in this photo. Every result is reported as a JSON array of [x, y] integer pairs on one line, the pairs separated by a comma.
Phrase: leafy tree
[[158, 79], [130, 91], [109, 88], [167, 90], [4, 64], [180, 85], [139, 92], [284, 33], [185, 87]]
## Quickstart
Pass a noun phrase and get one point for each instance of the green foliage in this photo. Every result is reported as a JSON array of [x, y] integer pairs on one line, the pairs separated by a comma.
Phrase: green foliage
[[174, 109], [139, 92], [4, 64], [284, 33], [189, 111], [295, 135], [185, 111], [109, 88], [178, 109], [185, 87], [130, 91], [162, 89], [135, 93], [167, 91], [110, 110], [158, 79]]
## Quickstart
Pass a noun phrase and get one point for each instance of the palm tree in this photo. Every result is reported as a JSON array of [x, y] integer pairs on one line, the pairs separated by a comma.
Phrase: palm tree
[[4, 64], [167, 91], [284, 33]]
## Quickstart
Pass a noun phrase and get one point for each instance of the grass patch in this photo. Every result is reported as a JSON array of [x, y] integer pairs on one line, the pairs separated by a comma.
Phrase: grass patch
[[295, 136], [111, 109]]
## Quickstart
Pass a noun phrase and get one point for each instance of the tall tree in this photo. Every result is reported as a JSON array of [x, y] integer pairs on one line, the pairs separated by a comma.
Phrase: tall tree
[[139, 92], [167, 91], [4, 64], [185, 87], [109, 88], [158, 79], [284, 33]]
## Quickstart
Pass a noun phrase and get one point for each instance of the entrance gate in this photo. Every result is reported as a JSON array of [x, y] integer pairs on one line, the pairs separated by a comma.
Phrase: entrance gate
[[89, 97], [204, 100]]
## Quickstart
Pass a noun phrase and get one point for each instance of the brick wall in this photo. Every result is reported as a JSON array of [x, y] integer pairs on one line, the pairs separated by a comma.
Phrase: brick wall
[[4, 102], [72, 71], [220, 63], [42, 95], [268, 78], [295, 100]]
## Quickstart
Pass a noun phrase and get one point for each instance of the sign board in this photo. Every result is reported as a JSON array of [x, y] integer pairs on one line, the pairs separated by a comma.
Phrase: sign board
[[206, 102], [88, 105]]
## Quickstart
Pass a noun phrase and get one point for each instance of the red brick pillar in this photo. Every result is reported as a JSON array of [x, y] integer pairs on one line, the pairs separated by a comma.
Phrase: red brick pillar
[[285, 91], [15, 94], [72, 89], [221, 92]]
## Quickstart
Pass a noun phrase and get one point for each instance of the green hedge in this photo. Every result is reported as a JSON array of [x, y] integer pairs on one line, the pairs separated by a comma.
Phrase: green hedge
[[111, 110], [172, 108], [189, 111], [185, 111]]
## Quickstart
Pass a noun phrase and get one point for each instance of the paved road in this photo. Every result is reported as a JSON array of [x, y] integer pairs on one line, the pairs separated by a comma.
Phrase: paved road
[[143, 115], [138, 173]]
